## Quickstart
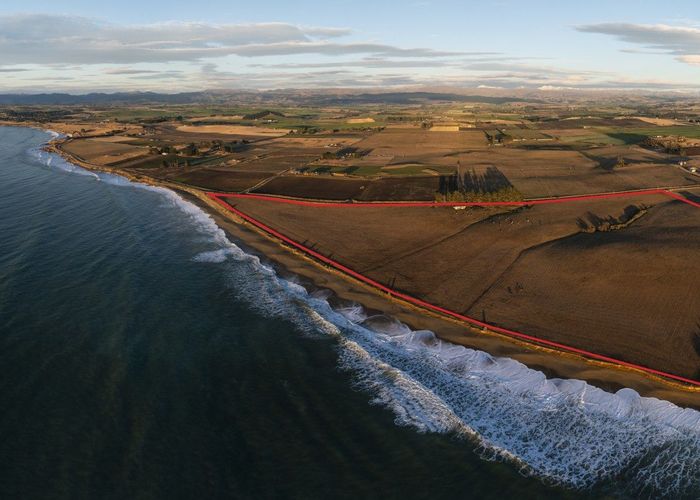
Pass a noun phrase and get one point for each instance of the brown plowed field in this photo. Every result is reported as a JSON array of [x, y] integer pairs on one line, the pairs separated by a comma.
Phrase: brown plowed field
[[617, 276]]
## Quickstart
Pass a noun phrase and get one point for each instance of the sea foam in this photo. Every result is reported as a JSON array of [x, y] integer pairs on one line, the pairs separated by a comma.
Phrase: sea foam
[[562, 431]]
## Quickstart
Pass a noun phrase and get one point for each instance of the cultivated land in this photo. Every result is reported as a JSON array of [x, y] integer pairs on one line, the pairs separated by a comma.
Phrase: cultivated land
[[614, 276]]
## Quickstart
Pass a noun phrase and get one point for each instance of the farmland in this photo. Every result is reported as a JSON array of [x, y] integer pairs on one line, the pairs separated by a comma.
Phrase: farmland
[[617, 275], [613, 276], [393, 151]]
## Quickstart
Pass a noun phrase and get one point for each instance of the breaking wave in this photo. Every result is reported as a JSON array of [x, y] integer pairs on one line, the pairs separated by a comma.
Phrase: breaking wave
[[56, 161], [563, 431]]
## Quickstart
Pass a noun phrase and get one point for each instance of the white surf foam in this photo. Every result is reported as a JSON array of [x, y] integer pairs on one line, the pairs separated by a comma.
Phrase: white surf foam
[[55, 161], [563, 431]]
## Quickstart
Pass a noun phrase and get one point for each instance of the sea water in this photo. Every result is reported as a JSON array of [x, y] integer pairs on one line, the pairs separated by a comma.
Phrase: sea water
[[145, 354]]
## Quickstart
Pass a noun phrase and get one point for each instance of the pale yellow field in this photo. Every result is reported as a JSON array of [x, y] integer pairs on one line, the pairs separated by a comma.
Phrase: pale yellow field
[[114, 138], [222, 118], [661, 122], [233, 130]]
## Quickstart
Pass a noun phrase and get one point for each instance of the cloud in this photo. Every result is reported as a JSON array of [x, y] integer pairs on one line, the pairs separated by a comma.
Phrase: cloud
[[681, 41], [364, 63], [132, 71], [693, 60], [332, 49], [474, 60], [161, 75], [51, 39], [525, 69], [12, 70]]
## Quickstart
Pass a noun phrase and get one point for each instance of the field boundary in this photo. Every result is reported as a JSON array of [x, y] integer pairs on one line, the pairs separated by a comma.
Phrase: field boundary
[[389, 204], [221, 197]]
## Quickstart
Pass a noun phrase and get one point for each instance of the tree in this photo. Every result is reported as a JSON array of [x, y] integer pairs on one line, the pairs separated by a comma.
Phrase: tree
[[191, 149]]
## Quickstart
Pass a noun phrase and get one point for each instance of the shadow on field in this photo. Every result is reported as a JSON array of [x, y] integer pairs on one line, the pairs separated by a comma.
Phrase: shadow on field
[[627, 138], [690, 196], [491, 181], [594, 222]]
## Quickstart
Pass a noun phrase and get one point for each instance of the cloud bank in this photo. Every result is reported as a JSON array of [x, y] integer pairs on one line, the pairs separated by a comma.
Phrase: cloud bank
[[73, 53], [49, 39], [680, 41]]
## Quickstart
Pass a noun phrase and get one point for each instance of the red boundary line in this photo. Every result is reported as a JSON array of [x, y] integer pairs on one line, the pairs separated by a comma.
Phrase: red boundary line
[[389, 204], [218, 197]]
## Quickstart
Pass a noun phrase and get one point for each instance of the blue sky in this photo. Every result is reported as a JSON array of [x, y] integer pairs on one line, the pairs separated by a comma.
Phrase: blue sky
[[172, 46]]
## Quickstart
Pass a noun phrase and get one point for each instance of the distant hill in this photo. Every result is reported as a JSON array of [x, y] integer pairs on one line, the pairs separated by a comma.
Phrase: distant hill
[[416, 98], [99, 99], [223, 97]]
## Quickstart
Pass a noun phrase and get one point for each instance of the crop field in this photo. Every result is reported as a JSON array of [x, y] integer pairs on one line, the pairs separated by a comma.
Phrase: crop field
[[275, 163], [403, 161], [339, 188], [617, 135], [414, 141], [220, 179], [615, 276], [326, 188], [232, 130], [549, 172], [525, 134], [583, 137], [638, 285], [103, 152]]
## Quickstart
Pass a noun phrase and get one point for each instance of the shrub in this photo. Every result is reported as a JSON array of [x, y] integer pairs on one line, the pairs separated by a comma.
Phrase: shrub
[[500, 195]]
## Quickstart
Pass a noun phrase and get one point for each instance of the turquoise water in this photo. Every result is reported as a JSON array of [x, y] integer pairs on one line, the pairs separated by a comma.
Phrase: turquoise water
[[144, 355]]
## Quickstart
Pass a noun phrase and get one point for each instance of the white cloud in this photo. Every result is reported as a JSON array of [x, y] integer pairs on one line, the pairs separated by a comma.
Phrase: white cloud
[[691, 59], [681, 41], [49, 39]]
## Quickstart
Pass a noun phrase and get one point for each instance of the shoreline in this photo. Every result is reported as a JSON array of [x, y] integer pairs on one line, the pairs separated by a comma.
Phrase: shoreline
[[552, 363]]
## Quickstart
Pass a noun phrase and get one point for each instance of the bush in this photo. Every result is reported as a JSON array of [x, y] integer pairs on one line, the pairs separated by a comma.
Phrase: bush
[[501, 195]]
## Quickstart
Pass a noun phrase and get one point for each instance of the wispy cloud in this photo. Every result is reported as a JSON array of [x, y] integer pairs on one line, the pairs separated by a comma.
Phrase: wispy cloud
[[364, 63], [48, 39], [681, 41], [175, 56], [132, 71], [690, 59]]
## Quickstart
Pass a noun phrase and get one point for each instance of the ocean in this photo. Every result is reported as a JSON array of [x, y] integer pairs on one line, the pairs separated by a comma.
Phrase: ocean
[[143, 354]]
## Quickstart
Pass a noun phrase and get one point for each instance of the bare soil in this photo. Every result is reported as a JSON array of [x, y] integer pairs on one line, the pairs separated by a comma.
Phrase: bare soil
[[221, 180]]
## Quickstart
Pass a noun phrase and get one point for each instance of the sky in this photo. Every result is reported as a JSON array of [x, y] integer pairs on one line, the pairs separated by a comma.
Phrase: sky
[[83, 46]]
